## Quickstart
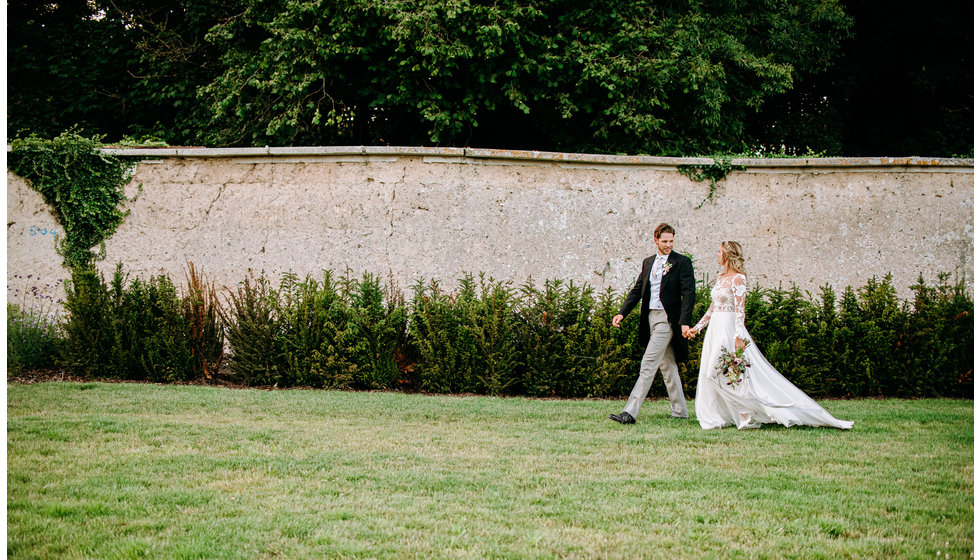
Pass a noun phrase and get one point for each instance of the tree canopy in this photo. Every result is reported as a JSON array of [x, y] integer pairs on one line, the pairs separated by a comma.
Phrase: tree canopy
[[664, 77]]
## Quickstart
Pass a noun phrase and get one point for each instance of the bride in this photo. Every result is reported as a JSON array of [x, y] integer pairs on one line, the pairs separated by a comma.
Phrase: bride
[[763, 396]]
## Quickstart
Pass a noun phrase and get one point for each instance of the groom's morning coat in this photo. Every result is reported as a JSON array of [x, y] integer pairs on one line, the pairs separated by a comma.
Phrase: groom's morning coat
[[676, 294]]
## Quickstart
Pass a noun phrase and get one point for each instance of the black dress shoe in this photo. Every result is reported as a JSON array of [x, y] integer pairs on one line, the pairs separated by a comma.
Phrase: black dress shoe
[[623, 418]]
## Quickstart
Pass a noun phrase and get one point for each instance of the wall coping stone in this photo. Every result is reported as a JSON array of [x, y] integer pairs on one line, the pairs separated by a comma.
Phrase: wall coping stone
[[543, 157], [918, 163]]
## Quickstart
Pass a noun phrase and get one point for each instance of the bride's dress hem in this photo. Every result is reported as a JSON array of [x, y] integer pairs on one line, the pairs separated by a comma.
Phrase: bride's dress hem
[[764, 396]]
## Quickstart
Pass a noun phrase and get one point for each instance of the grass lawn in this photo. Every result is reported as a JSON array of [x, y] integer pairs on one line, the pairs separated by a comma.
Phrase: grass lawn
[[104, 470]]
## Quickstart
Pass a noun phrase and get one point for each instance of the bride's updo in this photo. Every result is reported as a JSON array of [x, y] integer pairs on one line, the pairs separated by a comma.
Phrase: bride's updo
[[732, 252]]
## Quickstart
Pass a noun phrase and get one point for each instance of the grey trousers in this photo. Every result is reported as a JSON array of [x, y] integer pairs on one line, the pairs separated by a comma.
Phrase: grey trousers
[[659, 354]]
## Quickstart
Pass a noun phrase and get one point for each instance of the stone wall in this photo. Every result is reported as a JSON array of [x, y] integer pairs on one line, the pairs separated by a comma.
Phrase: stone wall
[[437, 213]]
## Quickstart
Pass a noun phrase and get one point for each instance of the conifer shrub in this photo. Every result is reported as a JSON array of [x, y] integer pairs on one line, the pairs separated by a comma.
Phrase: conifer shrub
[[311, 343], [252, 326], [486, 337], [377, 328], [135, 330], [445, 347], [568, 344], [89, 346]]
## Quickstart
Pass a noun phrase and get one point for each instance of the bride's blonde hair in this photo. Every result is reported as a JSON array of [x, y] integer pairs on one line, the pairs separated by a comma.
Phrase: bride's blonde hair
[[732, 253]]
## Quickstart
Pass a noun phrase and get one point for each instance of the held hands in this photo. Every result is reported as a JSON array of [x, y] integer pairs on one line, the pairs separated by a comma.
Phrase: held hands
[[739, 343], [686, 331]]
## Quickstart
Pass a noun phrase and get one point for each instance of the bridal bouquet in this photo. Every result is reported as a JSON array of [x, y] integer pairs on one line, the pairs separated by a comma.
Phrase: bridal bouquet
[[733, 364]]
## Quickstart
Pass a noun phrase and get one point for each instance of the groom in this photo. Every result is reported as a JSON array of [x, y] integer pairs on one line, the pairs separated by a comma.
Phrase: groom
[[665, 288]]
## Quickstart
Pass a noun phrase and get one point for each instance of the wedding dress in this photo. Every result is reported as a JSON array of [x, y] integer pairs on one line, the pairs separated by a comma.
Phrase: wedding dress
[[764, 396]]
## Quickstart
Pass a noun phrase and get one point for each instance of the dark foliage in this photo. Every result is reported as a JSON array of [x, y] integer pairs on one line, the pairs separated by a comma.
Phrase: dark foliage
[[487, 338], [842, 77], [206, 335], [135, 331]]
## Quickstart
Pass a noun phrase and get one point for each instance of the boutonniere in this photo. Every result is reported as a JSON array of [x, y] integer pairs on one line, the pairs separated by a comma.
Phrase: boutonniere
[[666, 268]]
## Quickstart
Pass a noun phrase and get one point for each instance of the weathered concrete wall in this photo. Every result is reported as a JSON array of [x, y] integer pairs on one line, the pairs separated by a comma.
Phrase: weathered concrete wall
[[434, 213]]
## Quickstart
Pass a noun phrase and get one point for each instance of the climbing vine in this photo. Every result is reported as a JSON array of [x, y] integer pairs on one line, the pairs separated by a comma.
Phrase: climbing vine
[[713, 173], [84, 186]]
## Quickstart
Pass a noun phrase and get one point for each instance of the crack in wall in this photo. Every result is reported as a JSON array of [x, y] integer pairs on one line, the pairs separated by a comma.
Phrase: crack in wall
[[221, 189], [391, 217]]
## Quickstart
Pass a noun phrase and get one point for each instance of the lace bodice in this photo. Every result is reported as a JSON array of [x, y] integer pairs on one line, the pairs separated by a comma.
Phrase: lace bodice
[[728, 295]]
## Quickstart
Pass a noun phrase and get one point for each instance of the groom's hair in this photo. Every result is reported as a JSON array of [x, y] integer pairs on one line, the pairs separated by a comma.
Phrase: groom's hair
[[663, 228]]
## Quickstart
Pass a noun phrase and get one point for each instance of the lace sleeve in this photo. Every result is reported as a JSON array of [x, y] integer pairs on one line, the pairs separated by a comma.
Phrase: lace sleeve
[[738, 291], [704, 319]]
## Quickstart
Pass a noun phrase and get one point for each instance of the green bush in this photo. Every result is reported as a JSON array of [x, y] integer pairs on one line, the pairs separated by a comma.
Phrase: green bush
[[936, 345], [313, 336], [329, 334], [89, 345], [466, 341], [488, 338], [446, 349], [568, 344], [153, 339], [780, 322], [135, 331], [870, 343], [252, 326], [492, 326], [377, 328]]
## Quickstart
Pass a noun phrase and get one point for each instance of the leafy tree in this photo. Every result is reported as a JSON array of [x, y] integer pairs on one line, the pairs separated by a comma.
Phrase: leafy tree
[[113, 67], [907, 80], [902, 85], [673, 77], [175, 60], [639, 77], [67, 65]]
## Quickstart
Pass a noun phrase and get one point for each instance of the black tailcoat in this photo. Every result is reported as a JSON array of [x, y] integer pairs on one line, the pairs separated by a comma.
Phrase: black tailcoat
[[676, 294]]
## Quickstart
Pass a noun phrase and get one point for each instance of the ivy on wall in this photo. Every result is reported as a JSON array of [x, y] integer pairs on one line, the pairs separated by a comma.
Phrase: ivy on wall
[[713, 173], [84, 186]]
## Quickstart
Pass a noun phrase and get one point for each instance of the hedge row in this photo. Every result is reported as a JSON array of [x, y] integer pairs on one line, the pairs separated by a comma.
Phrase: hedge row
[[490, 337]]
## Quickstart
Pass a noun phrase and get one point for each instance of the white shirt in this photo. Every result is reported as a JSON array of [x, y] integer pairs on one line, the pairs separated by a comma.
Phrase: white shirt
[[656, 273]]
